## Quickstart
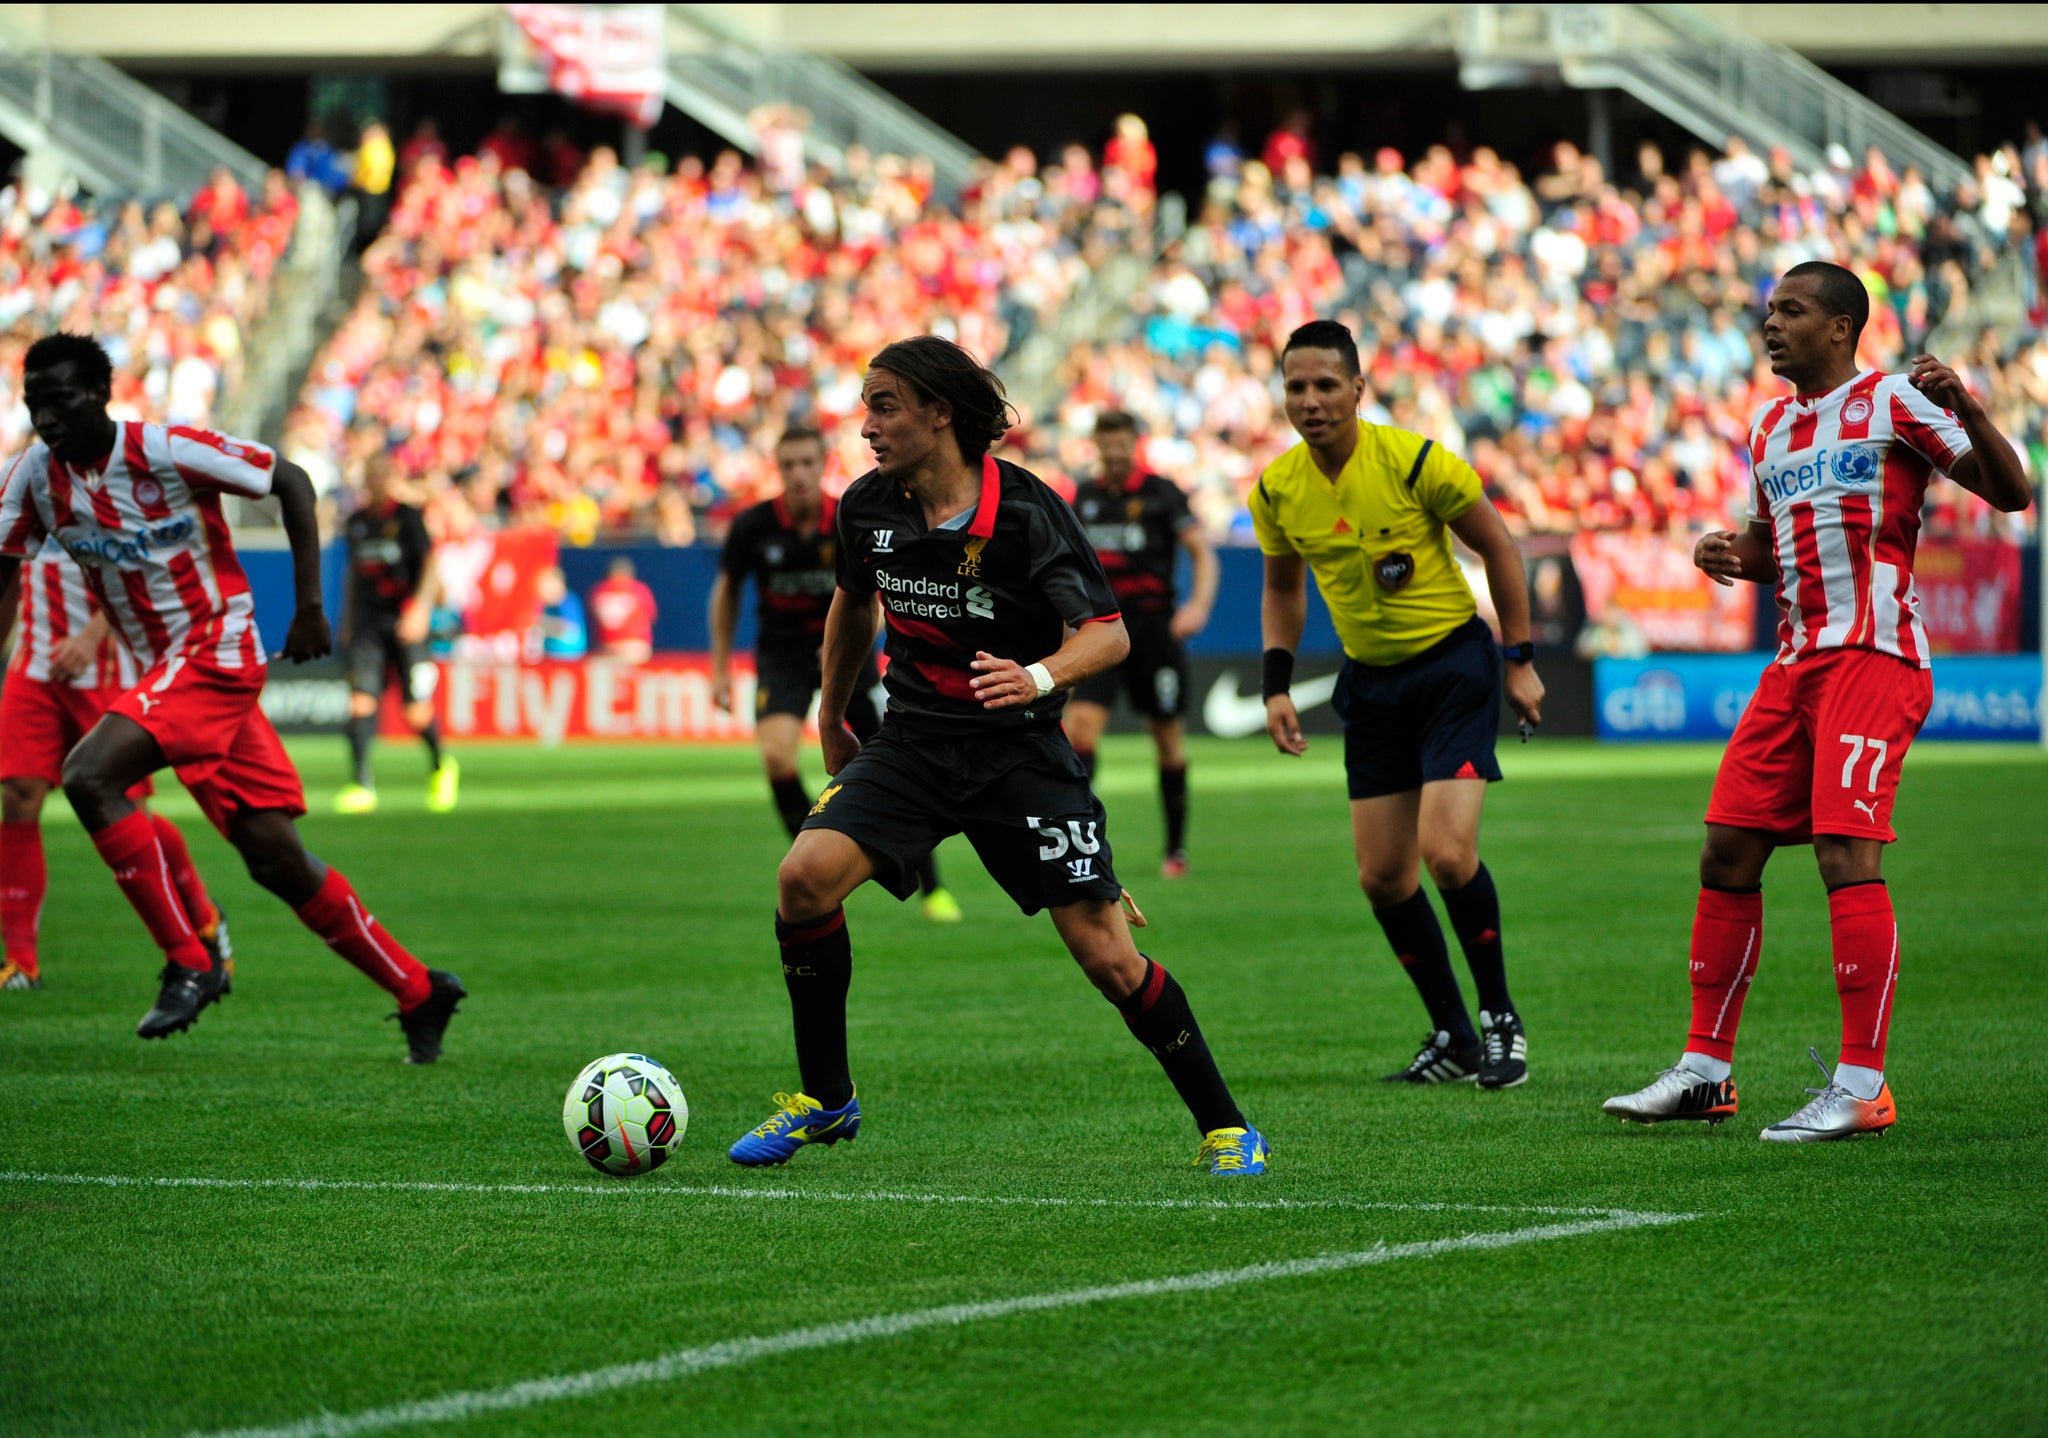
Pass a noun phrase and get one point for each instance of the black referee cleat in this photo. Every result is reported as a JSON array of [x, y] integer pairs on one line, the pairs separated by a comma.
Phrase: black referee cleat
[[1440, 1062], [183, 994], [425, 1024]]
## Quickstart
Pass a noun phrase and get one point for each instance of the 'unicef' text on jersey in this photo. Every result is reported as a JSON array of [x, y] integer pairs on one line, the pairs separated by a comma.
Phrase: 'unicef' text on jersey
[[1840, 478]]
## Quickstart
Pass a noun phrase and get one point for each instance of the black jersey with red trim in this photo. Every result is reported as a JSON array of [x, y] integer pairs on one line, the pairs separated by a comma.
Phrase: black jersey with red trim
[[1136, 528], [387, 554], [1010, 581], [793, 571]]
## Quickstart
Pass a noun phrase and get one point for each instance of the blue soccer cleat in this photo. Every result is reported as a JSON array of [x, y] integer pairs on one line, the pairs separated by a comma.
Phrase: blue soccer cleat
[[801, 1119], [1232, 1152]]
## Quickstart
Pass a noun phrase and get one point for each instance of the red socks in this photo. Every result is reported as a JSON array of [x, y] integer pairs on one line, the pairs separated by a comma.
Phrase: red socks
[[184, 874], [338, 917], [1727, 936], [23, 883], [1866, 945], [131, 850]]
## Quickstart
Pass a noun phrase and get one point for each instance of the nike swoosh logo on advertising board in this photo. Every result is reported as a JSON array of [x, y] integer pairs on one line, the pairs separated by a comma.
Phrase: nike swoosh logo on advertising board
[[1233, 715]]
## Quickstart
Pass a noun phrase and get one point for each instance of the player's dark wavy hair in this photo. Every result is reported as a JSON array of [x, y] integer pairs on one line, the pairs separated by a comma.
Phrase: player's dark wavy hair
[[1841, 293], [940, 372], [1325, 335], [81, 350]]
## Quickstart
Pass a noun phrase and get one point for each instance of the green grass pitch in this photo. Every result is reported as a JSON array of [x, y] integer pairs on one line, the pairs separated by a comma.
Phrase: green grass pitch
[[598, 899]]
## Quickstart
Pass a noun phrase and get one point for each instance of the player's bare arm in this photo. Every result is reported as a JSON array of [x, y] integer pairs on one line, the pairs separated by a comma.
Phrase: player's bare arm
[[1991, 470], [725, 620], [10, 595], [75, 654], [849, 637], [1725, 556], [1007, 684], [308, 637], [1483, 533], [1193, 616], [1283, 611]]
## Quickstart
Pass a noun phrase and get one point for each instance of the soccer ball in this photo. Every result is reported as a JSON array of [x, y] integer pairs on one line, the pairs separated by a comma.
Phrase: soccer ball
[[624, 1113]]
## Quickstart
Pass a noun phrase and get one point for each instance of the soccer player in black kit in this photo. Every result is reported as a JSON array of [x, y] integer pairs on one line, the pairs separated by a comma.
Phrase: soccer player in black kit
[[1139, 523], [995, 605], [383, 636], [787, 545]]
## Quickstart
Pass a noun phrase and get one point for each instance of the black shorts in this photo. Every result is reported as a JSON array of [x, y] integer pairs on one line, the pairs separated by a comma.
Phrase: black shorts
[[786, 681], [1154, 673], [376, 653], [1427, 718], [1022, 800]]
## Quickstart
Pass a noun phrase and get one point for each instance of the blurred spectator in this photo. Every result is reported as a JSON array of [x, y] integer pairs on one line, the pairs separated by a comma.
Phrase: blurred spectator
[[560, 632], [623, 611], [425, 143], [314, 161], [375, 164]]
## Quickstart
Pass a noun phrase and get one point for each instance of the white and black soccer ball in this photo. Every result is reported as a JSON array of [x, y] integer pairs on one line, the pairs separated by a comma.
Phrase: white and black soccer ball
[[625, 1113]]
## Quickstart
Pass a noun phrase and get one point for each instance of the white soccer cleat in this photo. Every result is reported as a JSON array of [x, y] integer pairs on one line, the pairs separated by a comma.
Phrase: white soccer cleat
[[1677, 1092], [1833, 1113]]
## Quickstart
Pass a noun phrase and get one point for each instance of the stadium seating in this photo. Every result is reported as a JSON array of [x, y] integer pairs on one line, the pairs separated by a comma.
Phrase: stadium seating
[[172, 295]]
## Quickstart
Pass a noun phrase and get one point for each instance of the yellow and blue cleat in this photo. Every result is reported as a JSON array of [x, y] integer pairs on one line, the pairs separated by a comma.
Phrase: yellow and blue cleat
[[801, 1119], [1232, 1152]]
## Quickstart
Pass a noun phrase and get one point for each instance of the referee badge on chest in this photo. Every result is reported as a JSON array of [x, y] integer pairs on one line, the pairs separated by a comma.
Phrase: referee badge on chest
[[1392, 571]]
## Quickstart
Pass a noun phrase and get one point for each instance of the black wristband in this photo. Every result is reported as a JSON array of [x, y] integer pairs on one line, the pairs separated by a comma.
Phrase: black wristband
[[1278, 675]]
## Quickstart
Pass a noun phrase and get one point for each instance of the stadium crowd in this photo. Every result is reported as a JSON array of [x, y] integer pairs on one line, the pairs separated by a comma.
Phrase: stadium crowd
[[620, 352], [1592, 345], [548, 336], [172, 294]]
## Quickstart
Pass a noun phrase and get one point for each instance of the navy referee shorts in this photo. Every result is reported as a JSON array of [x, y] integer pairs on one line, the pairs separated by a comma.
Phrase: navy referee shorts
[[1429, 717]]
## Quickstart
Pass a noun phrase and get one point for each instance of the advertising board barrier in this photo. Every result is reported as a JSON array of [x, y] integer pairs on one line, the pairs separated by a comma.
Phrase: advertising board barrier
[[1649, 583], [1969, 595], [1700, 696]]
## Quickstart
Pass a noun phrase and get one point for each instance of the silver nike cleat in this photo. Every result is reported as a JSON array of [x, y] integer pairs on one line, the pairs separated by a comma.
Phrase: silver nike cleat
[[1677, 1092], [1833, 1113]]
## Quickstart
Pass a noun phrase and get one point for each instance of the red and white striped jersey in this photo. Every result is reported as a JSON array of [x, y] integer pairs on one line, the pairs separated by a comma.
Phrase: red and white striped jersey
[[1840, 478], [147, 529], [54, 607]]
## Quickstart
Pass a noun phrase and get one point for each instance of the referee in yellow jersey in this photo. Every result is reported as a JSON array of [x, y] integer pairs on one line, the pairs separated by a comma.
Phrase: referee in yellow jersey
[[1371, 509]]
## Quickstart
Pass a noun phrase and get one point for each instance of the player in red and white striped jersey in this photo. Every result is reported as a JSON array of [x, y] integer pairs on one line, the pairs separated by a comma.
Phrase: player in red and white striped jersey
[[1839, 468], [138, 506], [66, 670]]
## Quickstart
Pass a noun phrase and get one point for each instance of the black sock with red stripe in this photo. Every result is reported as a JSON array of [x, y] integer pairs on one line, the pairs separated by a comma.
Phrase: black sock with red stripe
[[792, 802], [1418, 942], [817, 968], [1173, 795], [1157, 1013], [1475, 918]]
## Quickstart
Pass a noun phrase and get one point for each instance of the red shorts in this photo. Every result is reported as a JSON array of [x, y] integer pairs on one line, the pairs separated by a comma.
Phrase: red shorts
[[41, 721], [1819, 748], [211, 727]]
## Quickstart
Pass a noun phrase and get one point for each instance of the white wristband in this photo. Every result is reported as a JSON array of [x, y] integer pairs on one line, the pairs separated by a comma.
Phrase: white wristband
[[1042, 677]]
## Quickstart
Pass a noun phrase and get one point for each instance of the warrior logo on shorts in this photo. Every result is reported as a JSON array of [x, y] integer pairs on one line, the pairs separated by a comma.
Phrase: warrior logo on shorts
[[1391, 571], [148, 491], [1080, 871]]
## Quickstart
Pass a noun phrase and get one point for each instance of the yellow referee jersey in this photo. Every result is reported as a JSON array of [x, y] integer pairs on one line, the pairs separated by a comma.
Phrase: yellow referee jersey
[[1377, 538]]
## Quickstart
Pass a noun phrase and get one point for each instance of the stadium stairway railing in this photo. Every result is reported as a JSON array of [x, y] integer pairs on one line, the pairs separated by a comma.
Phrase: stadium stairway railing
[[1714, 80], [115, 134], [720, 75]]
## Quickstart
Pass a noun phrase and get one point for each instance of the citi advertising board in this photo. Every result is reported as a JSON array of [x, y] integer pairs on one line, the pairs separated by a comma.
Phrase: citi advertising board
[[1700, 696]]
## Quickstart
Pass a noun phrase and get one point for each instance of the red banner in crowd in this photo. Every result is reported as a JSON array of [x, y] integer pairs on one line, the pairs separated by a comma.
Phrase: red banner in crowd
[[605, 57], [1649, 582], [669, 697], [493, 579], [1969, 595]]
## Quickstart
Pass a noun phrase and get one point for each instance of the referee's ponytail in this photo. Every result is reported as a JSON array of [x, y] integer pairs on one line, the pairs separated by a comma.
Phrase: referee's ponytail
[[941, 372]]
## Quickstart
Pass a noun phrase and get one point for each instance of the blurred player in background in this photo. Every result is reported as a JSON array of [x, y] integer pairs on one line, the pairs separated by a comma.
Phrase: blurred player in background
[[787, 545], [138, 505], [1372, 509], [1139, 522], [67, 668], [1839, 469], [995, 605], [389, 604], [622, 614]]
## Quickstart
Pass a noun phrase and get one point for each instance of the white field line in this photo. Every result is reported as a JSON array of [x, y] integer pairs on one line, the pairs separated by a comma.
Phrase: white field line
[[658, 1189], [454, 1407]]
